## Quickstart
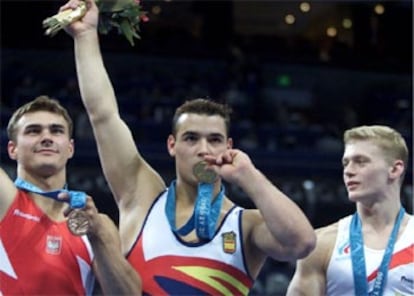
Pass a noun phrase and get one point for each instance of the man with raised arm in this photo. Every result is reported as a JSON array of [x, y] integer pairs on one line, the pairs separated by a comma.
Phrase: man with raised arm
[[187, 237]]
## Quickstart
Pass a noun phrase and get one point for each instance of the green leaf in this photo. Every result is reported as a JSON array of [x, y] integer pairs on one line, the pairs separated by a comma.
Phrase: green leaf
[[126, 30], [124, 15]]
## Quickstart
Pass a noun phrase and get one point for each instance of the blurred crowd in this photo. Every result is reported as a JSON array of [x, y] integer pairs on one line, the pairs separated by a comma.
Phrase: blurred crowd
[[290, 118]]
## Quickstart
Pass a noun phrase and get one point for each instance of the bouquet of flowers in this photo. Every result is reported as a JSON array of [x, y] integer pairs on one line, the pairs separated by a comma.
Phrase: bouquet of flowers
[[123, 15]]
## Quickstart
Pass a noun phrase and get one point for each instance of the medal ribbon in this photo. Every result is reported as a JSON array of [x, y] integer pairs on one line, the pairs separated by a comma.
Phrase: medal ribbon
[[358, 258], [77, 199], [205, 214]]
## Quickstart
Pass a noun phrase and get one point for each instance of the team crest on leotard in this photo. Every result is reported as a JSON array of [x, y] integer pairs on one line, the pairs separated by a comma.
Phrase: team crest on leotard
[[229, 242], [53, 244]]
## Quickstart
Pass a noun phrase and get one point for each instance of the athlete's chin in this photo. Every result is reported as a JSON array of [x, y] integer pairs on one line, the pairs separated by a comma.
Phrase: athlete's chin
[[47, 169], [354, 196]]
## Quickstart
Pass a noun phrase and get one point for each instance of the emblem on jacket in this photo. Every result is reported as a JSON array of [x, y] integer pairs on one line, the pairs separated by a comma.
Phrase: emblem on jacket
[[229, 242], [53, 245]]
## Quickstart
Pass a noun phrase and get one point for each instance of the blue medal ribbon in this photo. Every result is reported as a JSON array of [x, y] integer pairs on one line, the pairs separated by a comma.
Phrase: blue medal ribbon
[[358, 258], [205, 214], [77, 199]]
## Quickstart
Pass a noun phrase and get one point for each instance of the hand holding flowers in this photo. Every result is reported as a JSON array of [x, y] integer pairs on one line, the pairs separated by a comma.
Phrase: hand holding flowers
[[123, 15]]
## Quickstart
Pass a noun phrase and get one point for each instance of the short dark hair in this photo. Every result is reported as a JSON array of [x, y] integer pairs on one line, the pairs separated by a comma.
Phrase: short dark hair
[[204, 107]]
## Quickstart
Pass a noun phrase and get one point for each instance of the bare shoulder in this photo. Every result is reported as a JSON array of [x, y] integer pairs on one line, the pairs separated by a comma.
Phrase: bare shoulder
[[310, 273], [7, 192], [319, 257], [326, 237], [327, 232]]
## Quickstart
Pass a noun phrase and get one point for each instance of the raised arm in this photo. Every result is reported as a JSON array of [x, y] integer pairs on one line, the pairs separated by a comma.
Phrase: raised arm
[[278, 228], [123, 166]]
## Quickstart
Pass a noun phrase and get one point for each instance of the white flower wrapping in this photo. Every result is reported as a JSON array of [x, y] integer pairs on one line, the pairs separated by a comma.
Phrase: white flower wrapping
[[124, 15]]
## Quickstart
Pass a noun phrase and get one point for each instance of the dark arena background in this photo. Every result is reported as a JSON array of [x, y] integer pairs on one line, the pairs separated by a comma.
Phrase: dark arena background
[[297, 74]]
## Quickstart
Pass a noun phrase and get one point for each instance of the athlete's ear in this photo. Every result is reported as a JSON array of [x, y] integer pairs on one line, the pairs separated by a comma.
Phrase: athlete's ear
[[397, 169], [171, 145], [71, 148], [12, 150]]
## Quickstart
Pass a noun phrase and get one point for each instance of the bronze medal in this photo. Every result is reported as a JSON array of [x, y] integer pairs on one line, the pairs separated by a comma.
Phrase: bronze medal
[[78, 222], [204, 175]]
